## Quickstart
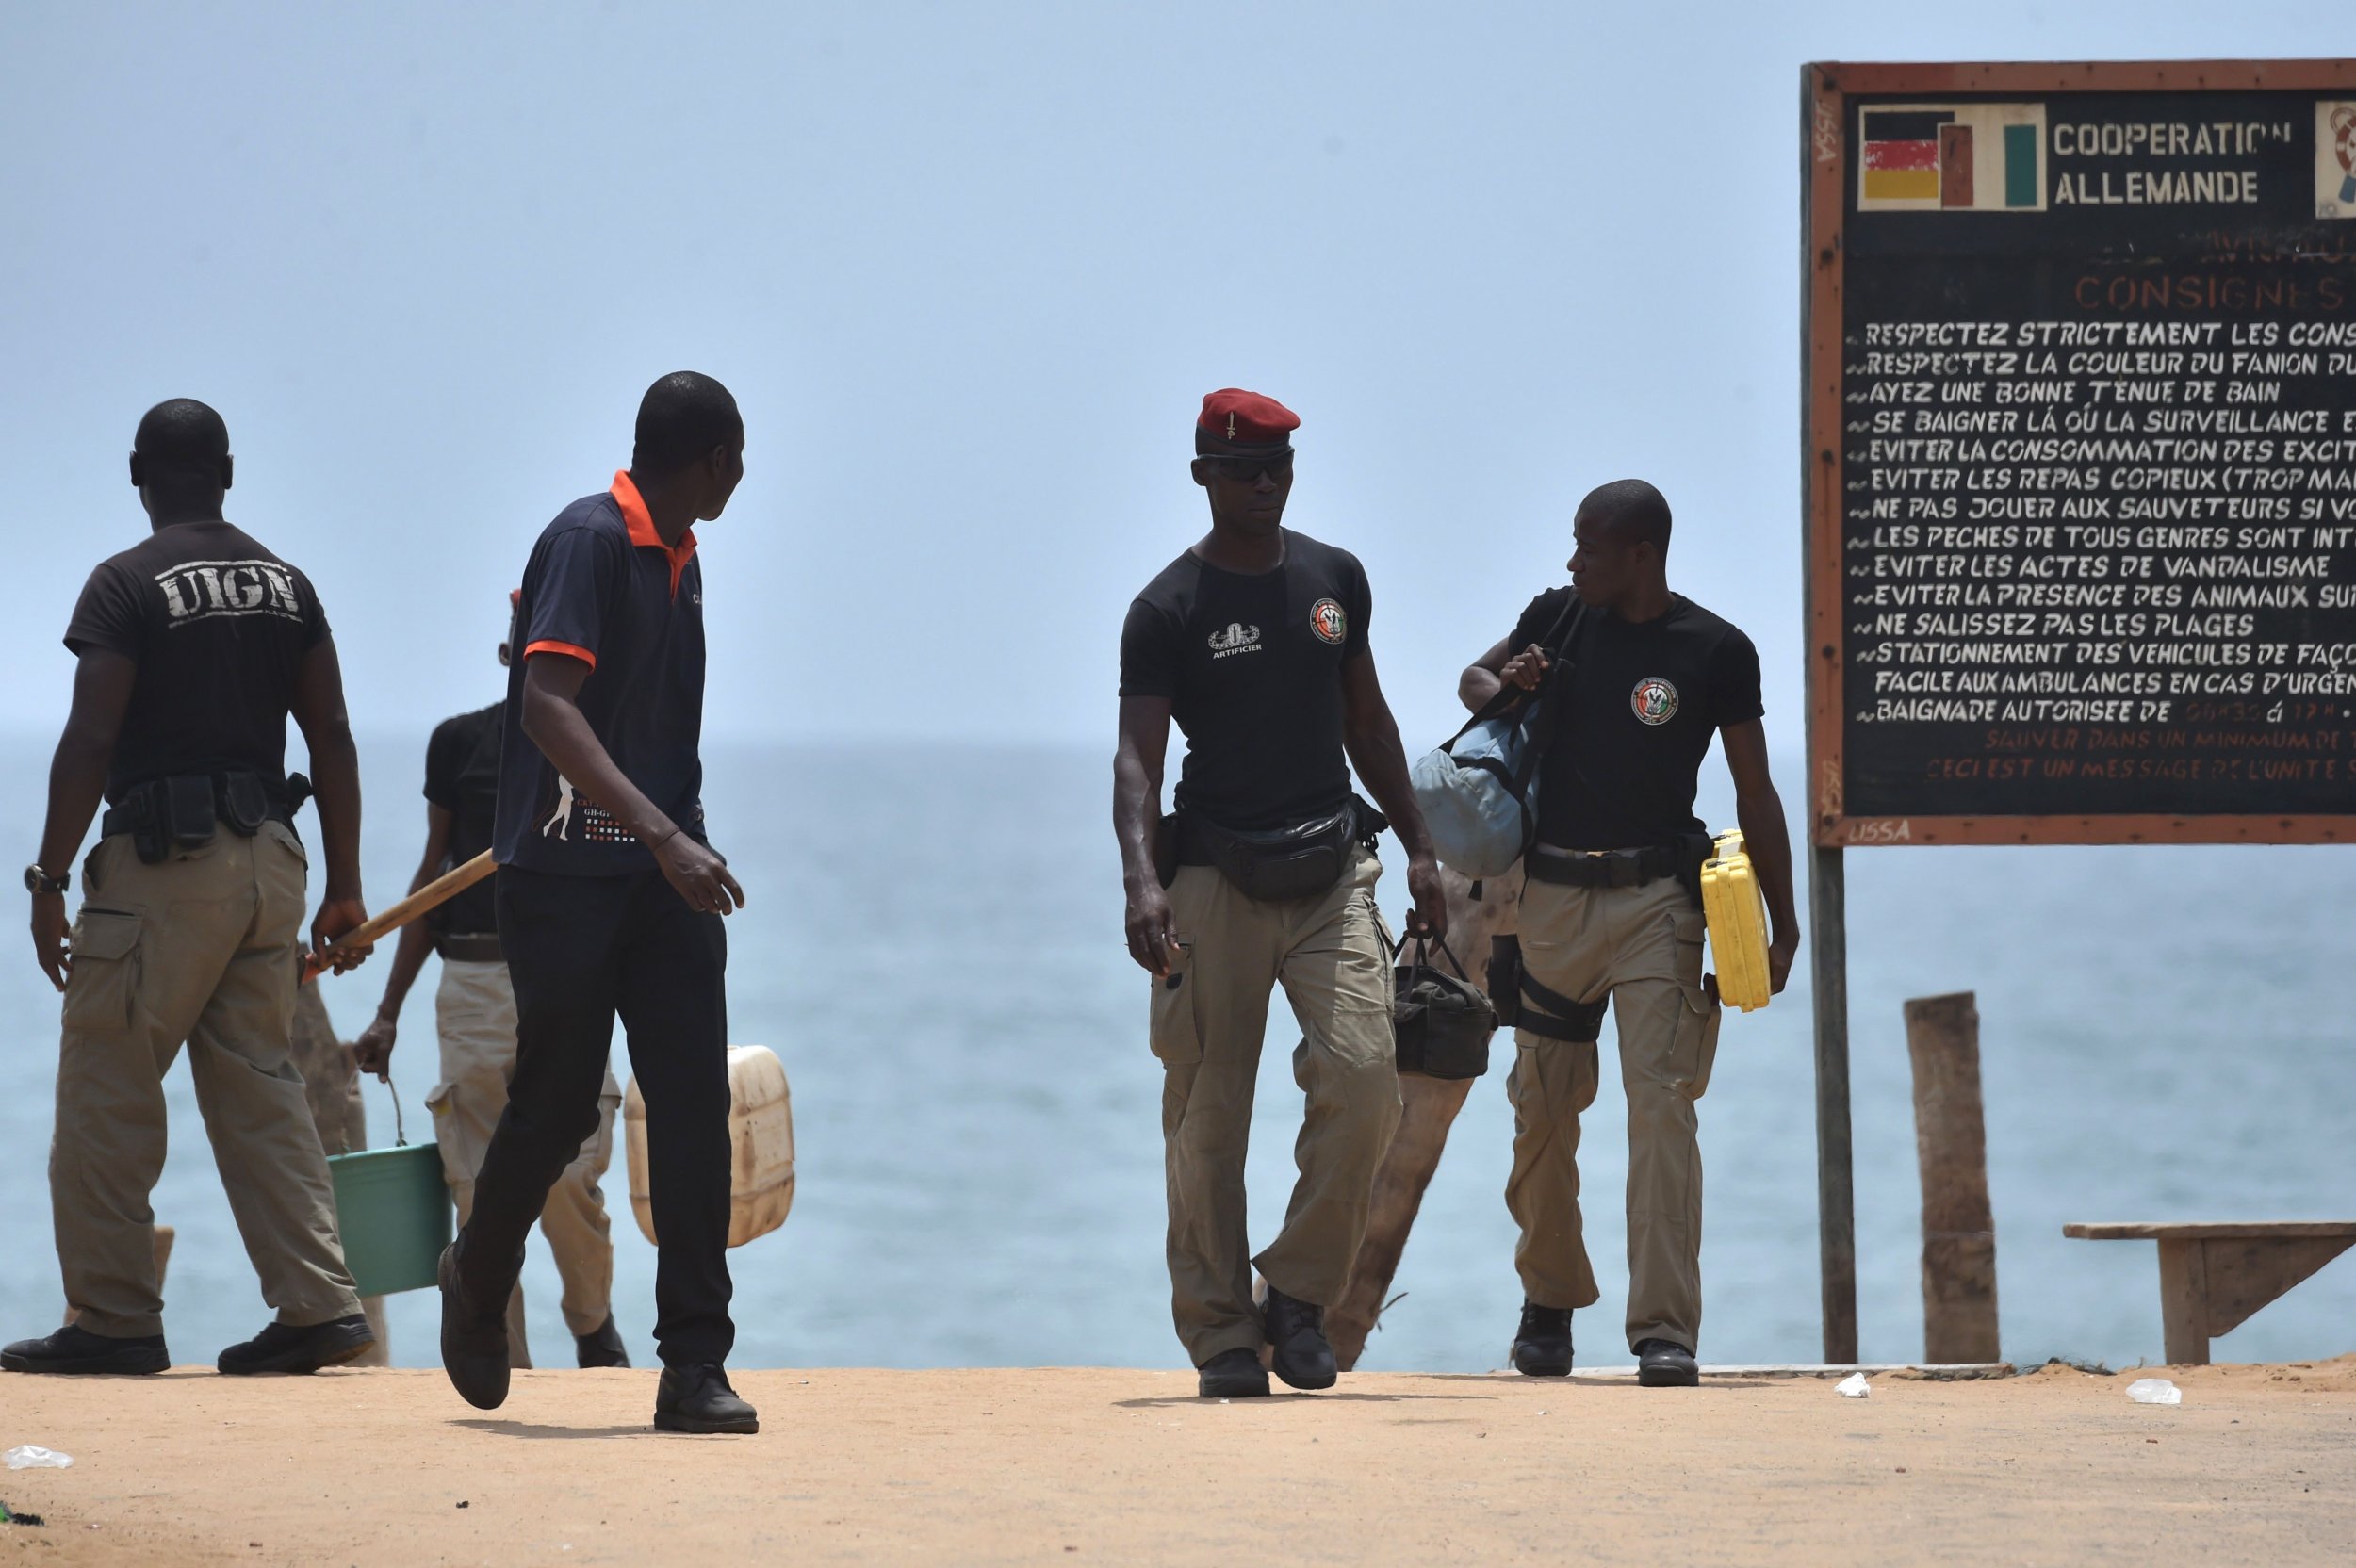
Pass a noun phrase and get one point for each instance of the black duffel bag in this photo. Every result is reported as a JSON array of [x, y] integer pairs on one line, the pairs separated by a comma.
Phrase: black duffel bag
[[1443, 1021]]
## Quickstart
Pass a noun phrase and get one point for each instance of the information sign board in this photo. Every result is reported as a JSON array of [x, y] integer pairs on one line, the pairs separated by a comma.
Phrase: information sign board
[[2081, 452]]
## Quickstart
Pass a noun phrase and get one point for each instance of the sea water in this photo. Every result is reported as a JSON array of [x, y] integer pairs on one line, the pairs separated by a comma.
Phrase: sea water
[[933, 948]]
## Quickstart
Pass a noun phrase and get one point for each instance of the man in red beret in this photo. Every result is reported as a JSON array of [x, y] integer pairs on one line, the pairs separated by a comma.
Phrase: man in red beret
[[1254, 640]]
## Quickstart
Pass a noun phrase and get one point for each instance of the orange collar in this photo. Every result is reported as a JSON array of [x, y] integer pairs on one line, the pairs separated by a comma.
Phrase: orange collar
[[640, 524]]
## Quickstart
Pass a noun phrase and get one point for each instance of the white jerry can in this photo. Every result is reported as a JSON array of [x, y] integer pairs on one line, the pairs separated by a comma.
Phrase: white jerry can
[[761, 1146]]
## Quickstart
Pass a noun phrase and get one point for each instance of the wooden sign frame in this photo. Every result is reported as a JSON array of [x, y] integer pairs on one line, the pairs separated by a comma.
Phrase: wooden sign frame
[[1825, 112]]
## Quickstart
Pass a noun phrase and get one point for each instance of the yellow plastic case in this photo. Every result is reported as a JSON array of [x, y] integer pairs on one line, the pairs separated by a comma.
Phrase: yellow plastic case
[[1737, 917]]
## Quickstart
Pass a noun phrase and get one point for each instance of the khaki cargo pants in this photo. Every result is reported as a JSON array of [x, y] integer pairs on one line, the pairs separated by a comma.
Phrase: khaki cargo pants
[[475, 1009], [1642, 947], [1208, 1019], [199, 949]]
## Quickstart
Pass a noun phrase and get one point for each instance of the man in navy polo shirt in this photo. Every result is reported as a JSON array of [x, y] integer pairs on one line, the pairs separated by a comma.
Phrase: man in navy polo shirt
[[608, 902]]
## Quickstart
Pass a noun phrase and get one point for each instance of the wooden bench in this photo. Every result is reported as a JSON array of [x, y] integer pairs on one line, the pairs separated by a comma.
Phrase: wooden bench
[[2214, 1276]]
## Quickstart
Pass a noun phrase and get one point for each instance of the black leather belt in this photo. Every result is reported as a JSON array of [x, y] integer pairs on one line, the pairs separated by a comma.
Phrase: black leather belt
[[118, 818], [1602, 868], [275, 807], [471, 947]]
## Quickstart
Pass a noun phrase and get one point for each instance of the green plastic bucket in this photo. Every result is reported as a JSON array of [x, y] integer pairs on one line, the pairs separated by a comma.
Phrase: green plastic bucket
[[395, 1214]]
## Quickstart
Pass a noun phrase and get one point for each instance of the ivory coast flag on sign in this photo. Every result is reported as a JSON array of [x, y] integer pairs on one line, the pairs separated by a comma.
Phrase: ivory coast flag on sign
[[1956, 157]]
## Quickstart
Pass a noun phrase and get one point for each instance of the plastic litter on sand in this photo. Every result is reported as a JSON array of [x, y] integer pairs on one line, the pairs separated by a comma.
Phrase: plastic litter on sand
[[2154, 1391], [1854, 1386], [27, 1456]]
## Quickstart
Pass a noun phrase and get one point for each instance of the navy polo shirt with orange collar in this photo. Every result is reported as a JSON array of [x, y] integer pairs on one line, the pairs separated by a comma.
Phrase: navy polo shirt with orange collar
[[602, 587]]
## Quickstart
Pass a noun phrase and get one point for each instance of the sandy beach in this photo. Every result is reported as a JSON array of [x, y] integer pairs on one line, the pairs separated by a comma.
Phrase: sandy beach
[[2257, 1466]]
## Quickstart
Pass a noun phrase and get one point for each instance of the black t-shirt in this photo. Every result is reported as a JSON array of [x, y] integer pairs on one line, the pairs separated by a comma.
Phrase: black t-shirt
[[462, 777], [1644, 702], [602, 587], [219, 627], [1251, 666]]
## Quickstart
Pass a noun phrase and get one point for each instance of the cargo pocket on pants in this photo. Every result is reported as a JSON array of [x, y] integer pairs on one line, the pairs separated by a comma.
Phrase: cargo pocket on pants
[[103, 986], [1696, 1050], [1177, 1039]]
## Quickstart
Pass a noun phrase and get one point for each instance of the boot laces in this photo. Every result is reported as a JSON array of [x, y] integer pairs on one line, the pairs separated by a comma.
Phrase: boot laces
[[1543, 1322]]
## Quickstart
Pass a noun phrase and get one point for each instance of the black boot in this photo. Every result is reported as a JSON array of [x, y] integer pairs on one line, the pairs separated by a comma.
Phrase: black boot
[[284, 1348], [1542, 1345], [698, 1399], [474, 1342], [1665, 1363], [1231, 1374], [1297, 1331], [74, 1348], [601, 1348]]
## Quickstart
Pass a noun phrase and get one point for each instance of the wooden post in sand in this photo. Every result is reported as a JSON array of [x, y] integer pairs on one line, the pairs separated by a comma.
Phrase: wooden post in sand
[[1950, 1139]]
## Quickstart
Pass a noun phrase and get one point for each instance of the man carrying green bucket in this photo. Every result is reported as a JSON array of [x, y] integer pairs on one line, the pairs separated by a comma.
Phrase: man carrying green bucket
[[475, 1010]]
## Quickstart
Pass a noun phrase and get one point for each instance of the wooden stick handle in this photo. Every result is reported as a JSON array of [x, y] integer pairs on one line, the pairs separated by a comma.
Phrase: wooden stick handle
[[432, 897]]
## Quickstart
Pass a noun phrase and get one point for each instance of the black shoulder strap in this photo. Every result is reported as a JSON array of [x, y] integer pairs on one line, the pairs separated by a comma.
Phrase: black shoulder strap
[[1557, 643]]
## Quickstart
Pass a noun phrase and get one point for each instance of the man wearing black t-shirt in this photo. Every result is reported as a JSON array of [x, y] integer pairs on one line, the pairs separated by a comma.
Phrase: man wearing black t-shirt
[[475, 1013], [1640, 679], [192, 647], [1254, 641], [610, 900]]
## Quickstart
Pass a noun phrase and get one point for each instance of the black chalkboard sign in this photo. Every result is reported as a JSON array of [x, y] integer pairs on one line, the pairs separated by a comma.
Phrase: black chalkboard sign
[[2082, 452]]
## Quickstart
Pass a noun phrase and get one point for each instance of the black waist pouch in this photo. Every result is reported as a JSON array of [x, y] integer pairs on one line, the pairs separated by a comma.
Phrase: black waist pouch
[[1166, 861], [1281, 863], [242, 803], [1505, 979], [1693, 851], [165, 816]]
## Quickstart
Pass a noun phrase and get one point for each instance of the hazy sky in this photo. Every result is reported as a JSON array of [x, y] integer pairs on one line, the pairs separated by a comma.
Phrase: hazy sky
[[969, 269]]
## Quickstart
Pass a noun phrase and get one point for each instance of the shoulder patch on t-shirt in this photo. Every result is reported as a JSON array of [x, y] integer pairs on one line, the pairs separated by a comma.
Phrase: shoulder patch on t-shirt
[[1655, 700], [1329, 620]]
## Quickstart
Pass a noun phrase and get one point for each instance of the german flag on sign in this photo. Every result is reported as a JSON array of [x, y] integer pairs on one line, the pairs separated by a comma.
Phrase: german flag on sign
[[1951, 157], [1901, 154]]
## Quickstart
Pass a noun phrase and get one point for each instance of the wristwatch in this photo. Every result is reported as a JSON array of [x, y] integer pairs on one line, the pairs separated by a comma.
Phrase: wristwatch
[[40, 881]]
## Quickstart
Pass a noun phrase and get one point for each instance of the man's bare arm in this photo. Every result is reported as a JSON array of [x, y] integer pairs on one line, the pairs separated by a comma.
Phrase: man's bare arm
[[1370, 735], [373, 1049], [1479, 685], [1766, 838], [1496, 669], [1137, 761], [552, 720], [319, 711], [77, 782]]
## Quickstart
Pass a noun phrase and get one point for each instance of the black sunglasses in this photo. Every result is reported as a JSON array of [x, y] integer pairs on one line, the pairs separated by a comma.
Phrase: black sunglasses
[[1248, 468]]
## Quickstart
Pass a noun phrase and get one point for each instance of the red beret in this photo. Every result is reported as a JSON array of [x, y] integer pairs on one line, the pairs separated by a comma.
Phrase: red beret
[[1234, 417]]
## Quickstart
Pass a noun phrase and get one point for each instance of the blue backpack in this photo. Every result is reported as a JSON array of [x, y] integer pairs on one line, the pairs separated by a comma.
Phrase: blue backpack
[[1478, 790]]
